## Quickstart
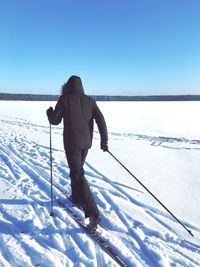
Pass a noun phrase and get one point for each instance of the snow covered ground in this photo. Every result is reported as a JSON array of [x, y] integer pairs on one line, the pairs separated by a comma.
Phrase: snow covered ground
[[158, 141]]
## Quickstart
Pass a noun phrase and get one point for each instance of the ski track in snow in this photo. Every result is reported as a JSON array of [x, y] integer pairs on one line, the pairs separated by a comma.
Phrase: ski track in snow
[[140, 234]]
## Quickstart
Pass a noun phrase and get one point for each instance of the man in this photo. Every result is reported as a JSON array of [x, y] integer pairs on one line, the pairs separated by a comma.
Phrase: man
[[78, 112]]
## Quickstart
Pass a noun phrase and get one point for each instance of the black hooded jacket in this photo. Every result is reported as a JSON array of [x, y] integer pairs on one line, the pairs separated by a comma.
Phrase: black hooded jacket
[[78, 112]]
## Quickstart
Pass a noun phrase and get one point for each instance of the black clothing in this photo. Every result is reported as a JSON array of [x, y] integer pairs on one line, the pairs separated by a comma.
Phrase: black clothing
[[81, 193], [78, 112]]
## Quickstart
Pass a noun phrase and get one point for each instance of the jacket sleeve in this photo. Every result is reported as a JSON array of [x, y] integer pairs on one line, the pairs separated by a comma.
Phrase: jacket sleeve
[[56, 115], [101, 124]]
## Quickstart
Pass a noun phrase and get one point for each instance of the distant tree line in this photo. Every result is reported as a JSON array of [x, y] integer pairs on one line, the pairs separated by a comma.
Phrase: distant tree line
[[28, 97], [34, 97]]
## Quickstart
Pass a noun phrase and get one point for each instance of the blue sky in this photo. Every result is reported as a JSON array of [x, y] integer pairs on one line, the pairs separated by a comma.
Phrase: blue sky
[[117, 47]]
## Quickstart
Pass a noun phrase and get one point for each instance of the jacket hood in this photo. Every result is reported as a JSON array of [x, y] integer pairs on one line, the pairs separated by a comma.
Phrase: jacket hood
[[73, 86]]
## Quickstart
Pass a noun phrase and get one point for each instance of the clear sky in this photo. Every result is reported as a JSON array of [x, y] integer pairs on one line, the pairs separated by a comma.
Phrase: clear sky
[[117, 47]]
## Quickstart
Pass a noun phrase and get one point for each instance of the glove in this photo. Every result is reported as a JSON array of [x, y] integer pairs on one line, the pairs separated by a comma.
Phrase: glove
[[49, 111], [104, 146]]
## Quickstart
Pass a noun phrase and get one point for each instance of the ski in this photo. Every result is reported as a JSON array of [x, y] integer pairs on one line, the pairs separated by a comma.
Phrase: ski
[[94, 235], [67, 196]]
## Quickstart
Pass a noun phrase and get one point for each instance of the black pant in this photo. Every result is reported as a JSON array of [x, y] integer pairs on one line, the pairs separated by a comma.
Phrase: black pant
[[81, 192]]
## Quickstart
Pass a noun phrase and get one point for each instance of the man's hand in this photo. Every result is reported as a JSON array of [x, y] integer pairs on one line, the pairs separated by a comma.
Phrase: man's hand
[[49, 111], [104, 146]]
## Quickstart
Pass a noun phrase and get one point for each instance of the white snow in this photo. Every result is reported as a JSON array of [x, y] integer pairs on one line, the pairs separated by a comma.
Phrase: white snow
[[158, 141]]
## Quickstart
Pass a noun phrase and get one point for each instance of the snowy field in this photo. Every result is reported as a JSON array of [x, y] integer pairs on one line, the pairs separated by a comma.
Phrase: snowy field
[[158, 141]]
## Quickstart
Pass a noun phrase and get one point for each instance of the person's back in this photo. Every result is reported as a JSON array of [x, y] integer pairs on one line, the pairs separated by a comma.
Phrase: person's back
[[78, 121], [78, 112]]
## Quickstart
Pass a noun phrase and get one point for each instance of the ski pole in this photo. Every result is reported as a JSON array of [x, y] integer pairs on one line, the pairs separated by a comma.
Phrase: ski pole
[[189, 231], [51, 173]]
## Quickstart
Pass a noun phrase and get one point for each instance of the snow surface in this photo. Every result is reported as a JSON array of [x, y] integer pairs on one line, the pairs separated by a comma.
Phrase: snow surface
[[158, 141]]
